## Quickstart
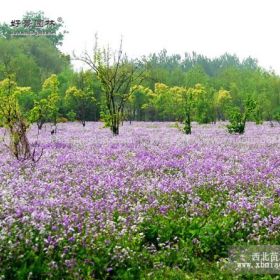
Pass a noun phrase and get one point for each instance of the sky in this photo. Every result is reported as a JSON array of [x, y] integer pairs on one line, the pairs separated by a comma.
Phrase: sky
[[208, 27]]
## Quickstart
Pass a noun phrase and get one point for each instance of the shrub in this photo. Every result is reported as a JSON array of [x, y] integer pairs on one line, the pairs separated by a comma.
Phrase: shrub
[[62, 120]]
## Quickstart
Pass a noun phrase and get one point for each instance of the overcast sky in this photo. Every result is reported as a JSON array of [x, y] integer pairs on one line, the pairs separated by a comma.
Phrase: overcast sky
[[209, 27]]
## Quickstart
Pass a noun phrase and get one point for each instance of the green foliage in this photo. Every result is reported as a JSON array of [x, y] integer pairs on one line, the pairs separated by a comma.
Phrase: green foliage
[[138, 102], [51, 87], [173, 245], [196, 75], [276, 115], [224, 82], [222, 101], [62, 120], [180, 103], [237, 122], [258, 114], [238, 118], [39, 113], [31, 59], [46, 105], [81, 100], [203, 104], [71, 116], [12, 118], [168, 101], [117, 75], [226, 73]]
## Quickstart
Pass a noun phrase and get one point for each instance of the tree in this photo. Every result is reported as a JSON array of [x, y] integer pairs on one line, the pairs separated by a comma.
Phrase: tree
[[79, 100], [40, 112], [195, 76], [203, 103], [136, 103], [239, 116], [12, 119], [168, 102], [87, 104], [189, 101], [46, 107], [31, 59], [163, 68], [117, 74], [148, 102], [14, 61], [51, 86], [222, 102]]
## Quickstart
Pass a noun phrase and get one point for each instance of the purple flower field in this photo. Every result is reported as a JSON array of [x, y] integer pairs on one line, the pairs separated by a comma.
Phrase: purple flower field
[[89, 184]]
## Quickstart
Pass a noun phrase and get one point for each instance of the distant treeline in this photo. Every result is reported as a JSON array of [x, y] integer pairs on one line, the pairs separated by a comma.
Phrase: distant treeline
[[32, 60]]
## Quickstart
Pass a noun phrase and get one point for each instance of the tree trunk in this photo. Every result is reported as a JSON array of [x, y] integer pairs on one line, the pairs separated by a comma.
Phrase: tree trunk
[[19, 143], [115, 130], [188, 127], [40, 124], [115, 123]]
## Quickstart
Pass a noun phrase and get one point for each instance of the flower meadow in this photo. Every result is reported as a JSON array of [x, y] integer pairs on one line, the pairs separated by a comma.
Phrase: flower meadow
[[151, 203]]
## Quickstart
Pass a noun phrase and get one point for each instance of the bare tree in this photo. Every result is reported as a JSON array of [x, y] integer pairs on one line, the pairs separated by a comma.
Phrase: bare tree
[[117, 75]]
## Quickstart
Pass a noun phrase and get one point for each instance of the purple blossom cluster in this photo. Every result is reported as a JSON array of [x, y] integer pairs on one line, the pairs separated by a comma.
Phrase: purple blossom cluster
[[86, 176]]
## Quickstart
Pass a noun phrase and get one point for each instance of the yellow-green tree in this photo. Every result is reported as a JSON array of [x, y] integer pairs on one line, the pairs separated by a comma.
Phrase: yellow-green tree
[[46, 108], [203, 103], [166, 101], [12, 118], [51, 86], [222, 101], [39, 113], [78, 100]]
